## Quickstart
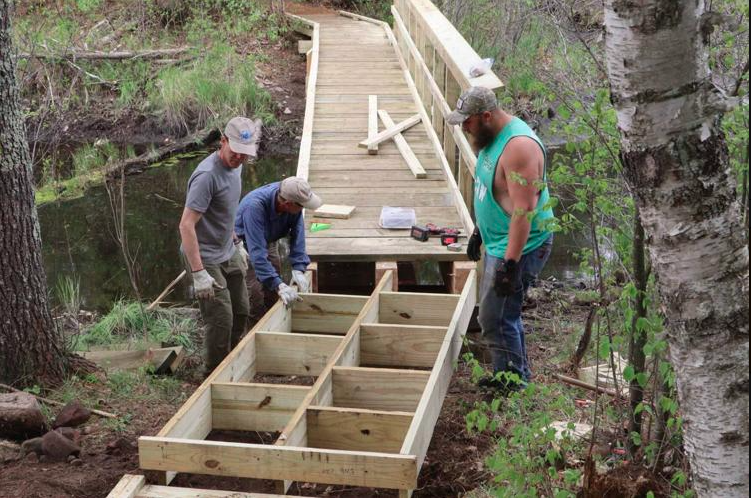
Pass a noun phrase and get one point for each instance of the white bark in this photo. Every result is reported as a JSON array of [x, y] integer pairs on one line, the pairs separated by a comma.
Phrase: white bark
[[677, 166]]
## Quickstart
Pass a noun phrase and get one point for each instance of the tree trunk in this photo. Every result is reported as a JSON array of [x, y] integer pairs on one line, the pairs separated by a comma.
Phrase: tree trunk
[[676, 163], [638, 339], [29, 344]]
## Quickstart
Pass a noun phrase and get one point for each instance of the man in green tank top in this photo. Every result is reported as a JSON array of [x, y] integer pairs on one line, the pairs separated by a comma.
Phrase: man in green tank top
[[512, 210]]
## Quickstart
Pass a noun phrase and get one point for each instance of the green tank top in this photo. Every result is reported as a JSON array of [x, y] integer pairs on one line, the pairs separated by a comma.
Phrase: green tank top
[[492, 220]]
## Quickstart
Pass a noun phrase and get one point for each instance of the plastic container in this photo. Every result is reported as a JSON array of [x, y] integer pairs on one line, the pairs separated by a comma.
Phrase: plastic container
[[397, 218], [481, 67]]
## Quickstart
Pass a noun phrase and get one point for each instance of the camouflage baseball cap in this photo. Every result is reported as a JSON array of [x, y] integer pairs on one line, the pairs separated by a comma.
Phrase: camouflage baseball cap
[[474, 100]]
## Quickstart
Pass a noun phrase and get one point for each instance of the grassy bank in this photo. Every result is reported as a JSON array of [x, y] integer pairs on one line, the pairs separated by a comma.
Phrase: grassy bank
[[95, 107]]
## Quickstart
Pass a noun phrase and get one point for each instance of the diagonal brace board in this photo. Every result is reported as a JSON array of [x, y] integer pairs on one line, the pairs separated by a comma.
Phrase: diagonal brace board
[[390, 132], [403, 146]]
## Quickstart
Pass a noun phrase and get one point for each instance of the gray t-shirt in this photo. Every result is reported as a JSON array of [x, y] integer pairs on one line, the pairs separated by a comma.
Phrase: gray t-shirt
[[214, 190]]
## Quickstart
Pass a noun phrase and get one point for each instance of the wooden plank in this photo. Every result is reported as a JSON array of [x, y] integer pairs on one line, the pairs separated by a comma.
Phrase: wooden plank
[[378, 249], [159, 359], [417, 308], [334, 211], [423, 424], [304, 46], [128, 487], [357, 430], [254, 407], [372, 123], [406, 346], [283, 353], [326, 313], [152, 491], [390, 132], [372, 177], [369, 469], [378, 388], [381, 267], [393, 199], [404, 148]]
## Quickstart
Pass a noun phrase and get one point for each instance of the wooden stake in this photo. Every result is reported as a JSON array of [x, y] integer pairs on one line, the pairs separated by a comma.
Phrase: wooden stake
[[585, 385], [166, 291]]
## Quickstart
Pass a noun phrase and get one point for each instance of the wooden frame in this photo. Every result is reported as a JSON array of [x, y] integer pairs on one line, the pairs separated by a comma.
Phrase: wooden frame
[[357, 425]]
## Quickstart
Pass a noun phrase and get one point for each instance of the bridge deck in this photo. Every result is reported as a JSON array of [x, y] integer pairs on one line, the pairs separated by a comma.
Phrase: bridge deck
[[357, 59]]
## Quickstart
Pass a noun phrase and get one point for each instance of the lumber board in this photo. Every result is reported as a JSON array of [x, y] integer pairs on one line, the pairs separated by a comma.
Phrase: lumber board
[[421, 430], [310, 99], [128, 486], [390, 132], [377, 249], [392, 199], [378, 388], [404, 148], [284, 353], [357, 430], [372, 123], [370, 469], [433, 187], [406, 346], [153, 491], [160, 359], [335, 211], [326, 313], [417, 308], [373, 177], [254, 407]]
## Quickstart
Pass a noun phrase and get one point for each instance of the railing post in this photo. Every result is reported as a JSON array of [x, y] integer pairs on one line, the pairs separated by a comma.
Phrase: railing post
[[449, 145]]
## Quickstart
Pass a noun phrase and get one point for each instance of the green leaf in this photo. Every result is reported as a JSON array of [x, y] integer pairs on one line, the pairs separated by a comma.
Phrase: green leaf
[[628, 373]]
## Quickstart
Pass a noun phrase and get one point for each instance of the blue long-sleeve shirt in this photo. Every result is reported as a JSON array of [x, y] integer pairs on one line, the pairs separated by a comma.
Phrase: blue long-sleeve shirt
[[258, 222]]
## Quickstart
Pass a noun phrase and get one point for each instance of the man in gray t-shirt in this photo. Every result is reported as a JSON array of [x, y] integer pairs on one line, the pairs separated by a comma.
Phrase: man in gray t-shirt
[[215, 260]]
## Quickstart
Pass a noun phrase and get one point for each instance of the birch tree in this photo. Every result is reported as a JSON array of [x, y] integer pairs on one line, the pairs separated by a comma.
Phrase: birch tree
[[676, 164], [29, 343]]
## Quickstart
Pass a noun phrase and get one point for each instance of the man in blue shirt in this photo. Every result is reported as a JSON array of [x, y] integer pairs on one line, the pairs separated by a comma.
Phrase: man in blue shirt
[[264, 216]]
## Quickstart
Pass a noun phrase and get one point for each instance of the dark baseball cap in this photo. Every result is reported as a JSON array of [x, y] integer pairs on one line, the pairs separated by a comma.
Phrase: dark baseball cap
[[474, 100]]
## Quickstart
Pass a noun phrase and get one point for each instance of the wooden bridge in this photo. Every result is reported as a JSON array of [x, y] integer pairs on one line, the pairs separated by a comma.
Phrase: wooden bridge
[[381, 364]]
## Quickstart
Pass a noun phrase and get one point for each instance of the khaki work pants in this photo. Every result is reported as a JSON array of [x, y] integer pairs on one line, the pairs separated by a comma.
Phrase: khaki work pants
[[226, 316]]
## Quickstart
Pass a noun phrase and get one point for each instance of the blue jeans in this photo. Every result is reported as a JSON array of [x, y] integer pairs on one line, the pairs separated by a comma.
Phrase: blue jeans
[[501, 317]]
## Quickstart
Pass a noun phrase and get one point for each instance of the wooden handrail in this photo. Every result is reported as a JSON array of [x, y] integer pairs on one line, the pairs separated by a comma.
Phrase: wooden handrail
[[458, 55], [306, 142], [438, 98]]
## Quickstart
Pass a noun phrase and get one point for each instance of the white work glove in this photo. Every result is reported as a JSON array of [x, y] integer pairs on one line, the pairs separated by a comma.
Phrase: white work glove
[[204, 284], [298, 277], [287, 294], [243, 255]]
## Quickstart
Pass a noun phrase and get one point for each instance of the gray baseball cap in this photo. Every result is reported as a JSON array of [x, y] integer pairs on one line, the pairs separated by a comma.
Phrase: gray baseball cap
[[297, 190], [474, 100], [243, 135]]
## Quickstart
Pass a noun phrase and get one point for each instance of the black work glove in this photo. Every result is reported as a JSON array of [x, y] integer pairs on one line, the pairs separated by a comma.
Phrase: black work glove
[[473, 245], [508, 278]]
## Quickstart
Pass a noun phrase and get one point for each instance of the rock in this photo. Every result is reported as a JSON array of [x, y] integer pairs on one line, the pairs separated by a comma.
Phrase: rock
[[118, 446], [20, 416], [287, 110], [58, 447], [32, 446], [72, 434], [32, 457], [76, 462], [72, 415]]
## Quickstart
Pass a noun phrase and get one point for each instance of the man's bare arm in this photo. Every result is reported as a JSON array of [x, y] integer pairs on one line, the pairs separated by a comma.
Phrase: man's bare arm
[[520, 165], [189, 238]]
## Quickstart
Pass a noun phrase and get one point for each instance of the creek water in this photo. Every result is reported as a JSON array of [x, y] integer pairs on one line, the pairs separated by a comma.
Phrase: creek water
[[78, 235]]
